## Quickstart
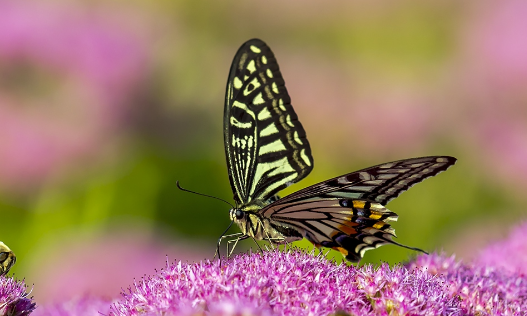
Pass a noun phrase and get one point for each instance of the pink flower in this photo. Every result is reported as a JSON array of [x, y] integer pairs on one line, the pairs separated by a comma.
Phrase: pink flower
[[286, 283], [481, 289], [300, 283], [509, 254], [13, 298]]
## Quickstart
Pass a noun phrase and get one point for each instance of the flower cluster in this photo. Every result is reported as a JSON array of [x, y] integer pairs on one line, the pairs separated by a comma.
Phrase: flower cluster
[[287, 283], [481, 289], [300, 283], [13, 298]]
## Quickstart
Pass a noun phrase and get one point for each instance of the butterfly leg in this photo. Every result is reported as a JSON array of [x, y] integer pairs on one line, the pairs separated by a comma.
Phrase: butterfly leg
[[268, 238], [287, 245], [274, 241], [235, 241], [217, 253]]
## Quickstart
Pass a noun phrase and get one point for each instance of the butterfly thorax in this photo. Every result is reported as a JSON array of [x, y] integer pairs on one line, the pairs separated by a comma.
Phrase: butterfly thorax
[[254, 225]]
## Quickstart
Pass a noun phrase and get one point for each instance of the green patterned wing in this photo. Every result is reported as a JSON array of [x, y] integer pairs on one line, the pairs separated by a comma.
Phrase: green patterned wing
[[265, 144]]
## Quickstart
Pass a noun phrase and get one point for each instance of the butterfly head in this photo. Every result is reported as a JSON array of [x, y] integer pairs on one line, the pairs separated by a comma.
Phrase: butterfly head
[[242, 219], [236, 214], [249, 222]]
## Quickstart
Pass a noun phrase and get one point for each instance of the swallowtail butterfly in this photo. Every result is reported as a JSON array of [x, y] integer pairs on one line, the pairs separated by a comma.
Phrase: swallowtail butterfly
[[267, 150]]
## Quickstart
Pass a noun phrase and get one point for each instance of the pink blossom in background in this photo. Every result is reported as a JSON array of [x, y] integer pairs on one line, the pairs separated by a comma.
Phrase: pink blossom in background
[[82, 306], [100, 267], [395, 120], [491, 76], [79, 71], [495, 45], [480, 289], [509, 254], [468, 243], [392, 122], [503, 143]]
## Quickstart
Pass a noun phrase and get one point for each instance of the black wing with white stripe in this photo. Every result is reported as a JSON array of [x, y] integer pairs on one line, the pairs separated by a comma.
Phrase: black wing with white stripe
[[381, 183], [265, 144]]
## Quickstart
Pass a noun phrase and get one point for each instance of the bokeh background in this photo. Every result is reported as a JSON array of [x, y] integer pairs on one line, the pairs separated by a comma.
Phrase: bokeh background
[[105, 104]]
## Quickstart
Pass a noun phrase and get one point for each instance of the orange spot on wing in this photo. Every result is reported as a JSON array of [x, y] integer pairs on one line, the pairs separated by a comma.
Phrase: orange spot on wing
[[341, 250], [347, 230]]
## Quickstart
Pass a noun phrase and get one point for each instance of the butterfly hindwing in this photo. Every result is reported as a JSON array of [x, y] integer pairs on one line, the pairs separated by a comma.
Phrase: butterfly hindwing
[[265, 144], [348, 213]]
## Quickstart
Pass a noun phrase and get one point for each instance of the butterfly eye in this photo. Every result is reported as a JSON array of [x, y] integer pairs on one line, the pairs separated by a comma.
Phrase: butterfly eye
[[239, 214]]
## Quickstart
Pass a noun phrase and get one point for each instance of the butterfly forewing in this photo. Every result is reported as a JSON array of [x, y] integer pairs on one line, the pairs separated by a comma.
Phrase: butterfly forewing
[[381, 183], [265, 144]]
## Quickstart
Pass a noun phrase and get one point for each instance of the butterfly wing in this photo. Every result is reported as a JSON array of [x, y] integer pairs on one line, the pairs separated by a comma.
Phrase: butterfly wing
[[265, 144], [348, 213]]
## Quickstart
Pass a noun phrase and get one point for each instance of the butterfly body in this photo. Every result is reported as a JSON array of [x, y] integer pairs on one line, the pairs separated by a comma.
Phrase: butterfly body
[[267, 150], [253, 224]]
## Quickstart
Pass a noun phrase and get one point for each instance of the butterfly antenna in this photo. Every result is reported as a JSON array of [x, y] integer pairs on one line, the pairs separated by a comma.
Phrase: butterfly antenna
[[217, 198]]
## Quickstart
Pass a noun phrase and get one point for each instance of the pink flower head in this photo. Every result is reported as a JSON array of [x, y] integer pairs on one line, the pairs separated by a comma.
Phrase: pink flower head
[[286, 283], [300, 283], [13, 298], [482, 290]]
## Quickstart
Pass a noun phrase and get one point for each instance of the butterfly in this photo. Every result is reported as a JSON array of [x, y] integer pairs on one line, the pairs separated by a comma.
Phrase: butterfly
[[7, 259], [267, 150]]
